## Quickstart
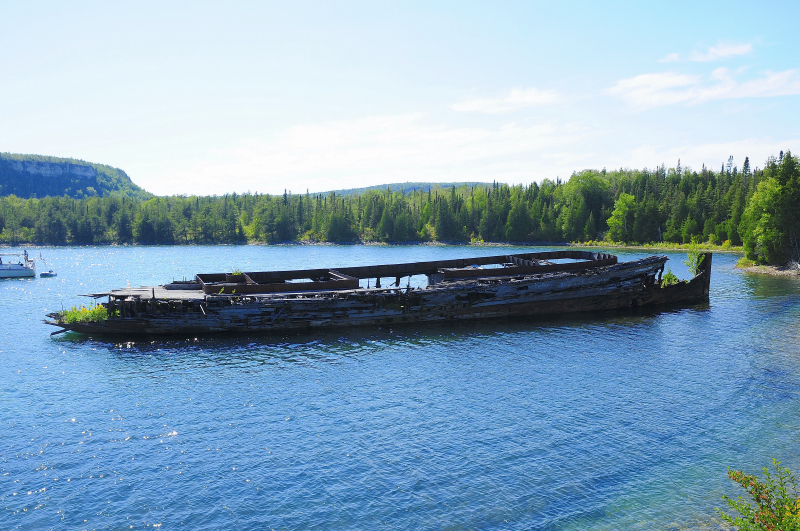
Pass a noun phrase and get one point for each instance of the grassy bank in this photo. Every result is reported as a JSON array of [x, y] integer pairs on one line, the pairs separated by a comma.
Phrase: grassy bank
[[792, 269], [665, 246]]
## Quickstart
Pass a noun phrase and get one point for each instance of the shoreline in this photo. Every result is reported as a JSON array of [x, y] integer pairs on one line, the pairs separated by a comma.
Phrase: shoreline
[[597, 245], [775, 271], [664, 247]]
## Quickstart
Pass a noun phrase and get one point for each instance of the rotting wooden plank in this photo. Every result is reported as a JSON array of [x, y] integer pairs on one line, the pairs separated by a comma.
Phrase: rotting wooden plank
[[345, 277], [412, 268]]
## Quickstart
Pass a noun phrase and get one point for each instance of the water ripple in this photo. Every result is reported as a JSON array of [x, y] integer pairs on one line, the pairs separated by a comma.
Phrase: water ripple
[[618, 421]]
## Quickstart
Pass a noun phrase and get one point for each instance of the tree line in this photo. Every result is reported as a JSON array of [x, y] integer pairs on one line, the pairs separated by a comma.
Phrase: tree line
[[754, 207]]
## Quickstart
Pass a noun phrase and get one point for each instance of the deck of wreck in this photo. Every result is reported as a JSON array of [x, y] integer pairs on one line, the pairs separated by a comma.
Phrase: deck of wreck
[[299, 283]]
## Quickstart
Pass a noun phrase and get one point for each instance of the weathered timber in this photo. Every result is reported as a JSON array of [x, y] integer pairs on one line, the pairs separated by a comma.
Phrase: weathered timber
[[347, 277], [317, 279], [507, 291]]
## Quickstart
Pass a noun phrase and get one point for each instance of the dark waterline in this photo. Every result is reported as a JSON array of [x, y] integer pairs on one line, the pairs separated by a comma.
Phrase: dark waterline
[[619, 421]]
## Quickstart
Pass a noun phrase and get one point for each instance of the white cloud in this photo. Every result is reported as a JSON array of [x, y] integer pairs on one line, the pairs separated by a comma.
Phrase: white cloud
[[720, 51], [712, 154], [517, 98], [670, 58], [377, 149], [784, 83], [408, 148], [655, 90]]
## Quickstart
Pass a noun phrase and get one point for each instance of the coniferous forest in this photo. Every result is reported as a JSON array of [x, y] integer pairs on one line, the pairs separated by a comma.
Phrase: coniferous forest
[[757, 208]]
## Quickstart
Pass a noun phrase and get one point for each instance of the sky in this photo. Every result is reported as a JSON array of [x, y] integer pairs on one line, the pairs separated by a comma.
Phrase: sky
[[211, 98]]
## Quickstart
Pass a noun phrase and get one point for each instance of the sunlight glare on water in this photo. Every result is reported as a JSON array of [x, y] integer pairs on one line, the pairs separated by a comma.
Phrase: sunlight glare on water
[[614, 421]]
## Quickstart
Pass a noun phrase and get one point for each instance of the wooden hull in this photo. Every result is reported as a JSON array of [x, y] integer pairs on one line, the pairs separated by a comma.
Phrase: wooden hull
[[615, 287]]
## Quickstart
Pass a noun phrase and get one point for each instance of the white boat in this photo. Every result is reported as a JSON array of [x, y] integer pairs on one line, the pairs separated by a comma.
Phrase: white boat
[[46, 274], [17, 265]]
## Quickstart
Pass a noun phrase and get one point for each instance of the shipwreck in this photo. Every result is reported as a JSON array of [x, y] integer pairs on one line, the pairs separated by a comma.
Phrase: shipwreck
[[527, 284]]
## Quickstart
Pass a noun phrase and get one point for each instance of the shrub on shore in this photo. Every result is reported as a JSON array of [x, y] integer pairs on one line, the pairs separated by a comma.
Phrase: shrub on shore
[[775, 501]]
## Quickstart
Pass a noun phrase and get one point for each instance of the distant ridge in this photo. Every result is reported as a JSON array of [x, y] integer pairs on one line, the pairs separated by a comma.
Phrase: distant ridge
[[29, 176], [405, 187], [37, 176]]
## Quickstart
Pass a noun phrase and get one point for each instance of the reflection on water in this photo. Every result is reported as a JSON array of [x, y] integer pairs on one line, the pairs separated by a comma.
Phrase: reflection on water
[[329, 344], [771, 286], [614, 421]]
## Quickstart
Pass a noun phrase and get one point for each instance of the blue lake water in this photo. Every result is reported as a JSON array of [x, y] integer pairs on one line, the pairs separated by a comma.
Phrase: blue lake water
[[618, 421]]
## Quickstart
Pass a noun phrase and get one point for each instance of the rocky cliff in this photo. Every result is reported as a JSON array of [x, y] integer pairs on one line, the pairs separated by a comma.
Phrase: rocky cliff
[[38, 176]]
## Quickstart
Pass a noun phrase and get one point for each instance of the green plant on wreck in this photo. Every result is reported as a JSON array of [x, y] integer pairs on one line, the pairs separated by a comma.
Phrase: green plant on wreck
[[669, 279], [775, 501], [83, 314], [236, 272], [694, 258]]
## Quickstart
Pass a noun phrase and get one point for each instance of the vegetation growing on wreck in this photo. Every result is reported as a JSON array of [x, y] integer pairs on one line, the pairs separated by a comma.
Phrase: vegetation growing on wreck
[[675, 205], [83, 314], [669, 278], [694, 259]]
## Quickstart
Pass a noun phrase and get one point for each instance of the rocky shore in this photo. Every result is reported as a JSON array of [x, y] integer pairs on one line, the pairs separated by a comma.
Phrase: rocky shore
[[789, 270]]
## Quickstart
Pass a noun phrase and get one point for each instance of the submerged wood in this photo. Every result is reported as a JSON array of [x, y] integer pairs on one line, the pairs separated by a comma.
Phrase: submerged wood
[[527, 284]]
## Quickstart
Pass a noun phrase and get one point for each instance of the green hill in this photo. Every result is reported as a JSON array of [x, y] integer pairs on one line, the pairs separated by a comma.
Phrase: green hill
[[406, 187], [39, 176]]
